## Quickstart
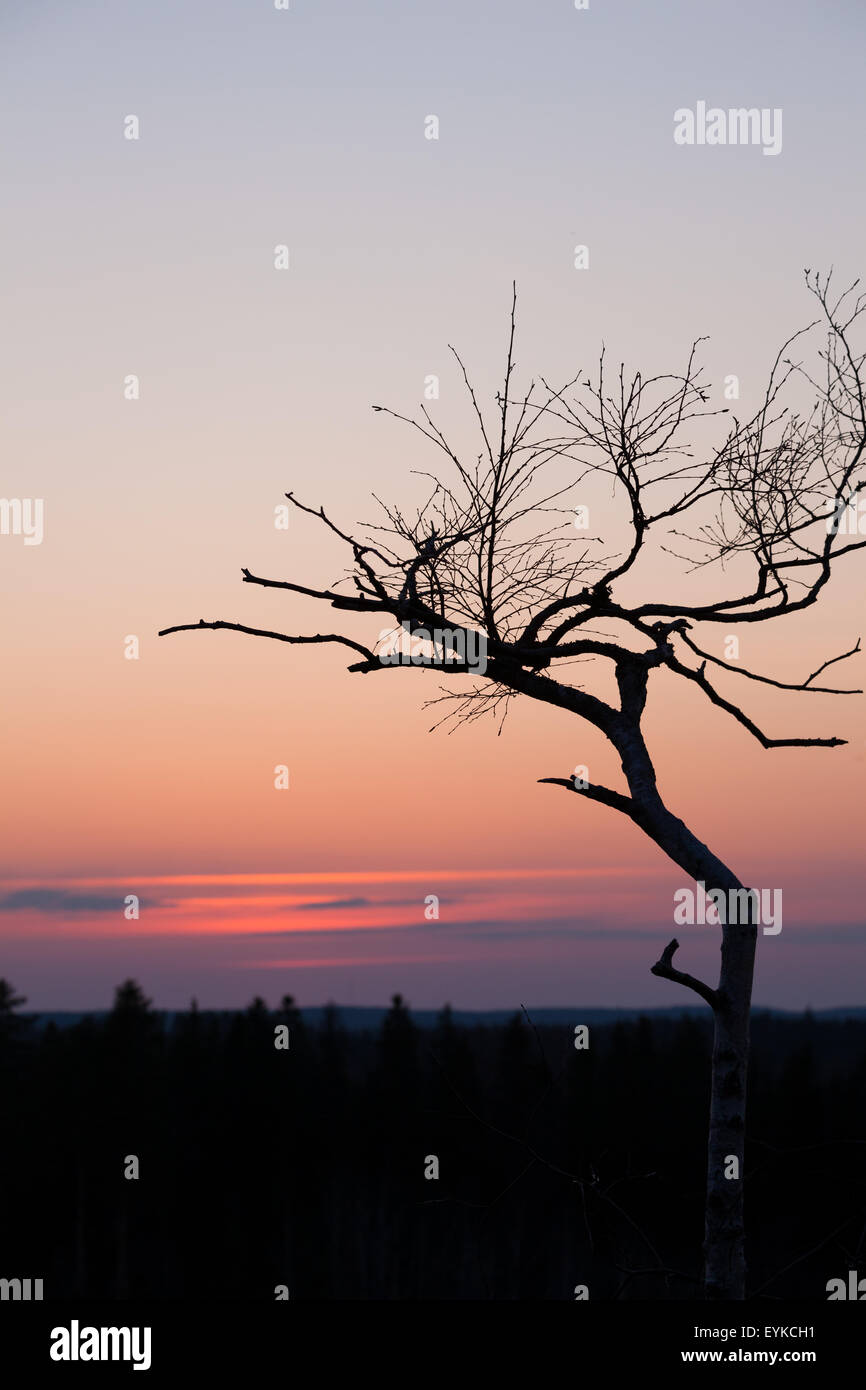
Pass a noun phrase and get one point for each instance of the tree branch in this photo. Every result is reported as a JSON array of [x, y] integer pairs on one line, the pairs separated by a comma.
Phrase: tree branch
[[665, 968], [767, 680], [348, 601], [201, 625], [699, 678], [615, 800]]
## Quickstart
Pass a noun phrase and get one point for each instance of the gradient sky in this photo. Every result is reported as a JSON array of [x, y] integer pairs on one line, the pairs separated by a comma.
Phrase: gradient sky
[[155, 257]]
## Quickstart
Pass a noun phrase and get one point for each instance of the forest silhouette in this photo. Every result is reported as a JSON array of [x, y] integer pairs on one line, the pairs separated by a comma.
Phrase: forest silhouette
[[304, 1166]]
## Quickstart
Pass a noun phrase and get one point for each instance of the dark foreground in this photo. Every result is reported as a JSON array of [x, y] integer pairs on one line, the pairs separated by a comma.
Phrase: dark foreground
[[299, 1172]]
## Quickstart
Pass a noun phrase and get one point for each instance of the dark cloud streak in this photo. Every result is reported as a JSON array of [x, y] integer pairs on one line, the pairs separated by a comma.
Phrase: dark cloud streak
[[60, 901]]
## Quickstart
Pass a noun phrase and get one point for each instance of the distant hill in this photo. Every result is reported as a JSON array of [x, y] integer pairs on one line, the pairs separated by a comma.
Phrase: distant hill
[[361, 1019]]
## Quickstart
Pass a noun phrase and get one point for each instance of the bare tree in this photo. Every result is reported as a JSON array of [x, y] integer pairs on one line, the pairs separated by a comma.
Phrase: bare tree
[[494, 555]]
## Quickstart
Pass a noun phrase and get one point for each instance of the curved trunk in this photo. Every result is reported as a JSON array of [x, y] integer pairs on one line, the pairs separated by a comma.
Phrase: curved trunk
[[724, 1234], [731, 1001]]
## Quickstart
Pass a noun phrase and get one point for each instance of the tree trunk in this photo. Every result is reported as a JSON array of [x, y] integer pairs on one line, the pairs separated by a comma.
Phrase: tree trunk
[[731, 1000], [724, 1236]]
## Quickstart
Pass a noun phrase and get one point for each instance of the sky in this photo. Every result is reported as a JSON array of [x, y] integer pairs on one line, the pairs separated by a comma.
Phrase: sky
[[154, 257]]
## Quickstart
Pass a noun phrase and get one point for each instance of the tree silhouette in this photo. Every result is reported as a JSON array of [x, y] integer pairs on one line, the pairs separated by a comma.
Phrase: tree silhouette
[[130, 1001], [12, 1026], [132, 1018], [399, 1044], [492, 563], [291, 1015], [9, 1000]]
